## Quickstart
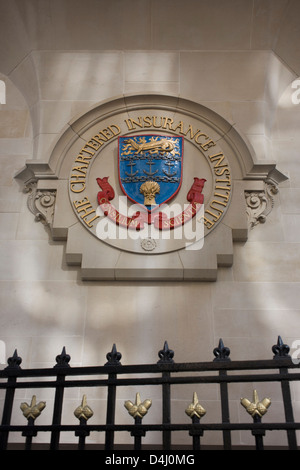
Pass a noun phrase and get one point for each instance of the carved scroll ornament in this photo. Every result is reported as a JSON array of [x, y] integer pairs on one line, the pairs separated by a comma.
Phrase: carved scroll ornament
[[41, 203], [260, 203]]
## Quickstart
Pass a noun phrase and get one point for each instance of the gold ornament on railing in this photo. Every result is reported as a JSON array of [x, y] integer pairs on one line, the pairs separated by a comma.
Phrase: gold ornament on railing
[[256, 407], [83, 411], [195, 409], [138, 409], [33, 410]]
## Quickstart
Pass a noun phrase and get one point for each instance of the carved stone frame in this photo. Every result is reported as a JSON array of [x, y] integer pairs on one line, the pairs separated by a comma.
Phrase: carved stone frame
[[254, 184]]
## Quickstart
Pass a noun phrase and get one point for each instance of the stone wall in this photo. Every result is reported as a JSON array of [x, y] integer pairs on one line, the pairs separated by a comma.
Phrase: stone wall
[[57, 62]]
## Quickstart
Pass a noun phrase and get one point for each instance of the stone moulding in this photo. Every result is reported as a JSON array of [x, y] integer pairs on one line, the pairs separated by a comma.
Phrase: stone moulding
[[251, 188]]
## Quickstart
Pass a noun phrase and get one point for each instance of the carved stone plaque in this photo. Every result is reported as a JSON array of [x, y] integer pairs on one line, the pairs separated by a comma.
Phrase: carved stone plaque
[[150, 188]]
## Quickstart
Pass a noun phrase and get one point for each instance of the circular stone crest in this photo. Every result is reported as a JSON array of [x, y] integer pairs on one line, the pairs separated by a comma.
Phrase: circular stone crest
[[150, 176]]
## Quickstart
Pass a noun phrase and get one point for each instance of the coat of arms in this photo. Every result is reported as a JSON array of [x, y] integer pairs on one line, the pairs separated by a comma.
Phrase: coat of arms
[[150, 168], [150, 175]]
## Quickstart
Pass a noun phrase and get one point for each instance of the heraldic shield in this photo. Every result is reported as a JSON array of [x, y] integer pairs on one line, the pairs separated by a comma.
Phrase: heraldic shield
[[150, 168]]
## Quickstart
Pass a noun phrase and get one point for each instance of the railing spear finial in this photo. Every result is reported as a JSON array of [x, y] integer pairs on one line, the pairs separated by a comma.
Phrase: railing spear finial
[[280, 350], [113, 357], [166, 355], [221, 352], [14, 361], [63, 359]]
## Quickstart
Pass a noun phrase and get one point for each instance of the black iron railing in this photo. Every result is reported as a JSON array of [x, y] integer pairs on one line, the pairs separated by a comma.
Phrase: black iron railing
[[164, 374]]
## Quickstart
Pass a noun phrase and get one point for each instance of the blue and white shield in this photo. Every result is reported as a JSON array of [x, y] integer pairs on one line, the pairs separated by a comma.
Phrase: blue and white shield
[[150, 168]]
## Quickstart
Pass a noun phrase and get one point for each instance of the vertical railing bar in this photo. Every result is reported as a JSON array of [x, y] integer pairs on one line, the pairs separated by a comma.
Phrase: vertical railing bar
[[7, 411], [196, 412], [114, 358], [138, 434], [257, 409], [13, 364], [62, 362], [81, 440], [31, 412], [281, 351], [166, 417], [222, 354], [288, 410], [138, 410], [166, 357], [258, 434], [110, 413], [225, 411], [196, 435], [57, 412], [83, 412], [81, 435], [29, 434]]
